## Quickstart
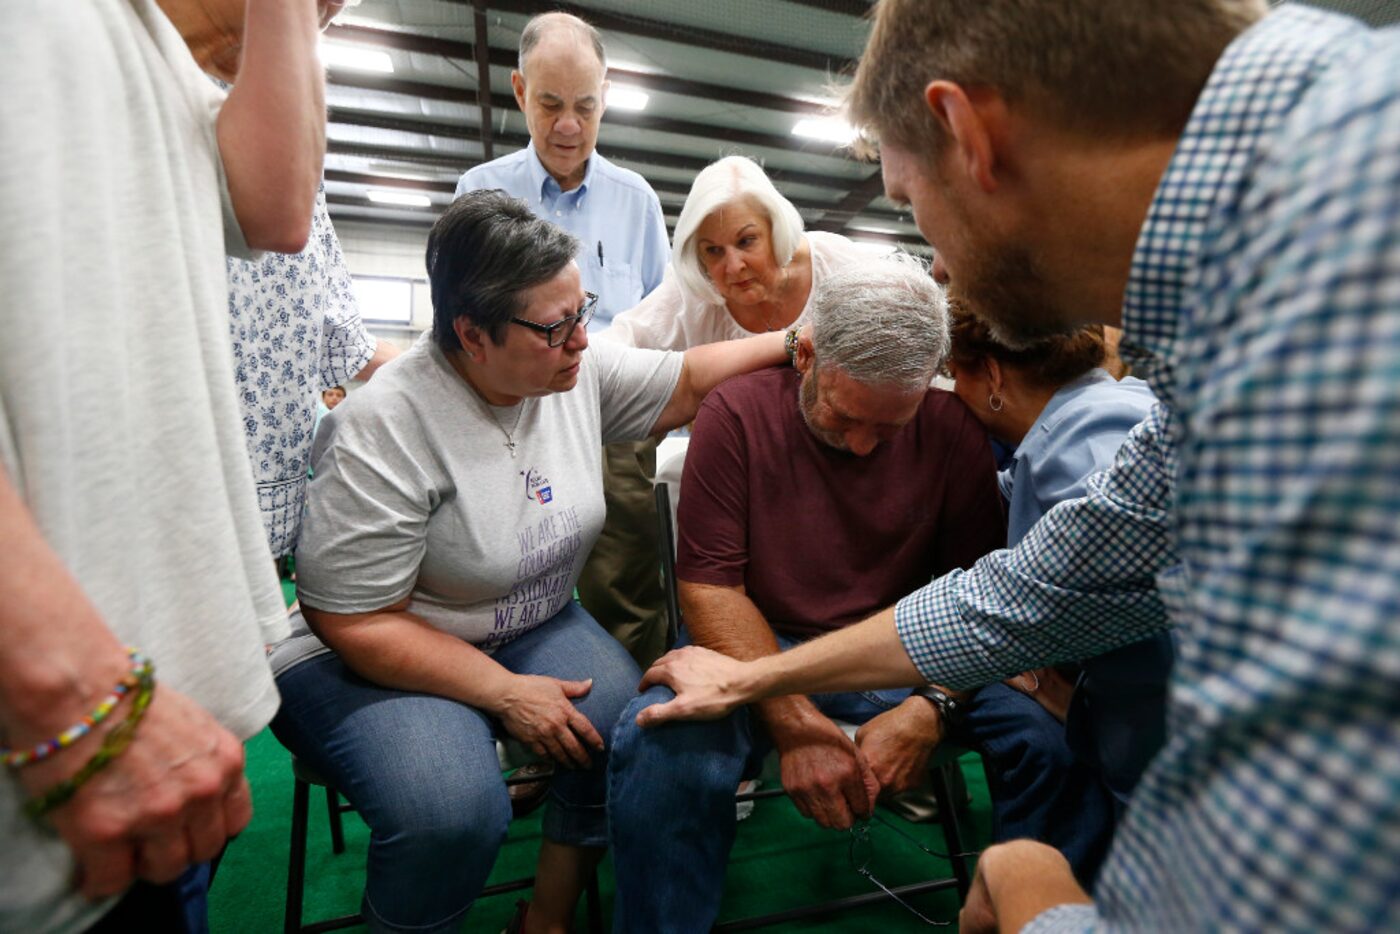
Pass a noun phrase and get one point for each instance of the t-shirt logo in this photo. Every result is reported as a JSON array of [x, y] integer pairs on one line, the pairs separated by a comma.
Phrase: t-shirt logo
[[537, 486]]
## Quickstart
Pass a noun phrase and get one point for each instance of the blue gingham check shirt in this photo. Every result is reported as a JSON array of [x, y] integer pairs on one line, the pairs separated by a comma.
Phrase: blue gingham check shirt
[[1259, 505]]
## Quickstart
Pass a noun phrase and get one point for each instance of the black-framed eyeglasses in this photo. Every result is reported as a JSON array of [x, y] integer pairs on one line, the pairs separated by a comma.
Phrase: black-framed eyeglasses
[[560, 331]]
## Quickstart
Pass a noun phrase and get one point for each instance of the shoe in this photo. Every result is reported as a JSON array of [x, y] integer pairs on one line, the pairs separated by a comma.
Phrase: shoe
[[528, 796], [517, 921]]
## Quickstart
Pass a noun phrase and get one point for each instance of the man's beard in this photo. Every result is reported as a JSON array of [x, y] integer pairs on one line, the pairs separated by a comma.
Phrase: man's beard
[[1011, 298], [1002, 287], [807, 402]]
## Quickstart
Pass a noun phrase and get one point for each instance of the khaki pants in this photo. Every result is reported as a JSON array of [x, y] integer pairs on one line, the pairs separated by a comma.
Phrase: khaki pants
[[621, 583]]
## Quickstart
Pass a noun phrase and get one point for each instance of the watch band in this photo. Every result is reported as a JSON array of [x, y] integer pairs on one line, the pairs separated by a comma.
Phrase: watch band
[[950, 709]]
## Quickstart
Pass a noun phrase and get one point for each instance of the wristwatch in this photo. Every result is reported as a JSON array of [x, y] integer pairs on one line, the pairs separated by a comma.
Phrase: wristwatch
[[790, 342], [950, 709]]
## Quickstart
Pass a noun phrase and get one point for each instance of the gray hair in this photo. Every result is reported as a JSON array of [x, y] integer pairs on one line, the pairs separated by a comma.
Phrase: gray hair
[[540, 26], [884, 322]]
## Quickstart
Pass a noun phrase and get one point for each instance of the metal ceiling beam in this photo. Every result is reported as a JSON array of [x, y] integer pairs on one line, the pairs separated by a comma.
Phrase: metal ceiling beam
[[403, 41], [505, 58], [388, 181], [669, 189], [365, 81], [672, 32], [454, 162], [845, 7], [427, 216], [856, 201], [404, 124], [483, 76]]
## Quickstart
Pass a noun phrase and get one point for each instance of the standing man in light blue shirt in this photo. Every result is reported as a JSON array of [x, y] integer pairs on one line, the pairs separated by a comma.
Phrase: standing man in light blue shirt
[[560, 86]]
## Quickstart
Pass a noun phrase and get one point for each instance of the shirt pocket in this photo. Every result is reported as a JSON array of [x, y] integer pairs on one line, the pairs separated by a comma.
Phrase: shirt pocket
[[615, 281]]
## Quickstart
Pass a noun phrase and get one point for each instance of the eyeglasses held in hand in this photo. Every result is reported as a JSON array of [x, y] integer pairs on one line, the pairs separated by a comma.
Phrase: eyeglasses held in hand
[[560, 331], [862, 849]]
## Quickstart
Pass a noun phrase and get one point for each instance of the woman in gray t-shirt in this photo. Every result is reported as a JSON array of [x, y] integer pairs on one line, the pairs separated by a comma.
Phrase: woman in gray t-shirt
[[454, 502]]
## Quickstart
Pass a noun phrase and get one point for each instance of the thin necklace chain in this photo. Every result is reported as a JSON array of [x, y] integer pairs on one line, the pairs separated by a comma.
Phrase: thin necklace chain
[[491, 411], [510, 434]]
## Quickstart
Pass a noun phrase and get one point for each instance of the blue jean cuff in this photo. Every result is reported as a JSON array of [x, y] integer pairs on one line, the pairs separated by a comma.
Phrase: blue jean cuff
[[575, 824], [378, 925]]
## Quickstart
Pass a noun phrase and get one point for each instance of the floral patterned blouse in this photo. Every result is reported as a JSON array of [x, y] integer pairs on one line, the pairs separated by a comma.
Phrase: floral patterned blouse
[[296, 330]]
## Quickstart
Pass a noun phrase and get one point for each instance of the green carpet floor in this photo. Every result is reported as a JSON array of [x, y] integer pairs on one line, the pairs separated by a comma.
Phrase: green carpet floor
[[780, 860]]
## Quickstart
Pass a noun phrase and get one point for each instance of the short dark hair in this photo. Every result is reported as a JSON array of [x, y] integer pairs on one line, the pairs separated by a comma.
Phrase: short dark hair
[[485, 250], [1046, 364]]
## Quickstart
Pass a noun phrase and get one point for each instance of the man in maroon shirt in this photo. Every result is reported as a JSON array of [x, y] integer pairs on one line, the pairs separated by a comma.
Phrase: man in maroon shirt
[[811, 498]]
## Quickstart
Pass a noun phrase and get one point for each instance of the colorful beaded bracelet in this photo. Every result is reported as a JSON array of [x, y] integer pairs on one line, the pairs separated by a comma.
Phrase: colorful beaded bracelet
[[113, 745], [141, 668]]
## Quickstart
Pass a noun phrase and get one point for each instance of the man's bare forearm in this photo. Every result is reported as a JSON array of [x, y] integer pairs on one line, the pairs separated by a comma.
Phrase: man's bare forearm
[[865, 656], [726, 620], [272, 128]]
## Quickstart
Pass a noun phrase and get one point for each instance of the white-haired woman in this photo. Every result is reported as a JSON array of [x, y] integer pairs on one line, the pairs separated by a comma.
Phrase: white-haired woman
[[741, 264]]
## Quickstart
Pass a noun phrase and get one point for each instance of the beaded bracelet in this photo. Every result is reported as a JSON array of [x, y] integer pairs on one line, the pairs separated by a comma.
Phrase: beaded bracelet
[[18, 758], [113, 745], [790, 343]]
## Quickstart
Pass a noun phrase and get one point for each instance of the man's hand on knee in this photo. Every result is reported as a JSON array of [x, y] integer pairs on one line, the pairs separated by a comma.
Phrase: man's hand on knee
[[1015, 882]]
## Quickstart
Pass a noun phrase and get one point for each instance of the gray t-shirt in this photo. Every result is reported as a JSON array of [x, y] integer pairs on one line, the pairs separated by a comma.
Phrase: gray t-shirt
[[415, 493]]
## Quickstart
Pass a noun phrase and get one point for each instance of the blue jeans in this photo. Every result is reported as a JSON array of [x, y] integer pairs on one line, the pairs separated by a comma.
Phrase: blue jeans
[[671, 805], [1039, 788], [423, 772]]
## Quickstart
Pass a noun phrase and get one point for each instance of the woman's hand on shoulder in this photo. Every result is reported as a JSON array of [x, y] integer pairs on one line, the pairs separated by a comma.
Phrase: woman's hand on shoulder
[[539, 711]]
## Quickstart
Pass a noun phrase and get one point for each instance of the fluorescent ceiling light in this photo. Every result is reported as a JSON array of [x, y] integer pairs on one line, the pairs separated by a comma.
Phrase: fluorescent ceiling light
[[624, 65], [826, 129], [339, 55], [404, 198], [625, 98]]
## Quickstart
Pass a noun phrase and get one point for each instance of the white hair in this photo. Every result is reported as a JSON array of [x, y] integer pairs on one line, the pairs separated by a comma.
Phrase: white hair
[[722, 183], [884, 322]]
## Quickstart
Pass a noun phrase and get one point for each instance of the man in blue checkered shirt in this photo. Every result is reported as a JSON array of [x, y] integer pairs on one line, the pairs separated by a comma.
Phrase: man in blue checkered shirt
[[1227, 186]]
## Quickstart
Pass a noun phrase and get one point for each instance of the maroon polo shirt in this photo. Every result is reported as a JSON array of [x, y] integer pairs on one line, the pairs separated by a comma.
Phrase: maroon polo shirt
[[821, 538]]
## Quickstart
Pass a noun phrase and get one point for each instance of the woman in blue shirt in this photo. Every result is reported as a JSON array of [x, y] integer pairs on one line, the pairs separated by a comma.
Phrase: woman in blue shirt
[[1066, 417]]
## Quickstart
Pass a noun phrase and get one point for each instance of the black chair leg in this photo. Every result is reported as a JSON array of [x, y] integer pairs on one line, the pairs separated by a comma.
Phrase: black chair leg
[[952, 833], [296, 864], [337, 827], [593, 902]]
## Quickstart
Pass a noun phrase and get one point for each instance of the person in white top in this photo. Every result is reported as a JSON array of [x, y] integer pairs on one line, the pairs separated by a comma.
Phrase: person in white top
[[741, 264], [127, 507]]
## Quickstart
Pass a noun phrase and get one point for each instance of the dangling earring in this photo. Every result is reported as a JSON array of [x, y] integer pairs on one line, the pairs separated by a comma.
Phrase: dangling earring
[[995, 402]]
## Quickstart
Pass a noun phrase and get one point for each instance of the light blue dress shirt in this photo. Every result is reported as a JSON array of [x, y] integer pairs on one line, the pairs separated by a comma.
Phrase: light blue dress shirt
[[613, 212], [1075, 436], [1116, 717], [1259, 503]]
